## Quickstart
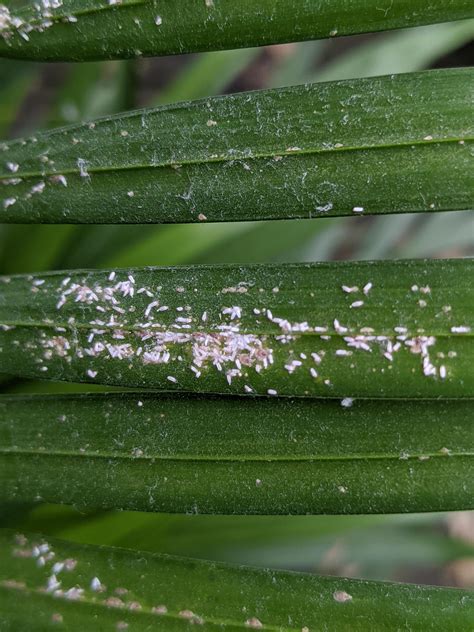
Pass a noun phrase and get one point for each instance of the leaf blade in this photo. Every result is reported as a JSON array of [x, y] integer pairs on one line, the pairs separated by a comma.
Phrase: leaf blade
[[236, 456], [88, 30], [329, 151], [239, 598], [331, 330]]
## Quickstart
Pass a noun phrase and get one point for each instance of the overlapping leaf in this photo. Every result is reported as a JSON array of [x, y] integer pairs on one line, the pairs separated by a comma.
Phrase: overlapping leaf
[[381, 329], [382, 145], [237, 455], [97, 29], [48, 583]]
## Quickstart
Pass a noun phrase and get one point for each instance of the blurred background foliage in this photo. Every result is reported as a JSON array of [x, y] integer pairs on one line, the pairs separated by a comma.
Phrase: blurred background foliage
[[429, 548]]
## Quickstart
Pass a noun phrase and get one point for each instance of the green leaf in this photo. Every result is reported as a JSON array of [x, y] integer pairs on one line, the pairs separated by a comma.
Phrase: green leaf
[[403, 51], [237, 455], [89, 90], [94, 29], [367, 329], [121, 588], [307, 151], [124, 245]]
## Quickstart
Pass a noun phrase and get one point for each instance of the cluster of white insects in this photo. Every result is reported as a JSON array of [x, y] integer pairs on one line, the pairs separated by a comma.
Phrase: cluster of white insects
[[58, 576], [35, 189], [58, 581], [40, 22], [128, 322], [45, 14]]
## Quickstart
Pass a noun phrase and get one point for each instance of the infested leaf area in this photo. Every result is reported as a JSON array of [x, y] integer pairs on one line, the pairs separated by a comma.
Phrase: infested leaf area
[[265, 390], [331, 330]]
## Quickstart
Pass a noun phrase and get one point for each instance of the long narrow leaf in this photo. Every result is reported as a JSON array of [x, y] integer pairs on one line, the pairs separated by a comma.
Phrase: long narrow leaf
[[237, 455], [393, 329], [385, 145], [95, 29], [48, 583]]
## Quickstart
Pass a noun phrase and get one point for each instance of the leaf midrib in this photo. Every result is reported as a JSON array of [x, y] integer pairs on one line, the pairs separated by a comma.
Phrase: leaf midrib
[[85, 327], [226, 159], [237, 458], [245, 331]]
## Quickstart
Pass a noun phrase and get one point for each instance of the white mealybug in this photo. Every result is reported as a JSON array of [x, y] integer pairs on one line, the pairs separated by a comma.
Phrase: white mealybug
[[82, 166], [53, 583], [96, 584], [9, 202], [461, 329]]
